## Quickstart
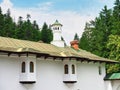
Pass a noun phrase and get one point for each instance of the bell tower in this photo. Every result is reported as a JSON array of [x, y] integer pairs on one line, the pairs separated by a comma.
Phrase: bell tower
[[57, 29]]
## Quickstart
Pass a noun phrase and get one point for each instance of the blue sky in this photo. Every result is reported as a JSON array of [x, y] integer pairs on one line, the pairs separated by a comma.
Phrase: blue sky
[[77, 5], [74, 5], [73, 14], [59, 4]]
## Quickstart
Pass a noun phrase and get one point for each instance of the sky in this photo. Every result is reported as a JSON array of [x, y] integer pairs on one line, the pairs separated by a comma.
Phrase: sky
[[72, 14]]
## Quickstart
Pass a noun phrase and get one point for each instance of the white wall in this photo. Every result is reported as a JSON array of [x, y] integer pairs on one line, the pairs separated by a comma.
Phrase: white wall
[[50, 76], [58, 43], [56, 35], [108, 85], [89, 78], [116, 84], [9, 73]]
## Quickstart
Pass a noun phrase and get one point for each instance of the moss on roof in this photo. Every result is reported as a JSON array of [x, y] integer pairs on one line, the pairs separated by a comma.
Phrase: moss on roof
[[15, 45]]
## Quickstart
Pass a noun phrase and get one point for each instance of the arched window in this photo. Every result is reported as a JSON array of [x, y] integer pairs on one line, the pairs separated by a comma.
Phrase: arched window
[[100, 70], [73, 69], [55, 28], [66, 69], [23, 67], [31, 67]]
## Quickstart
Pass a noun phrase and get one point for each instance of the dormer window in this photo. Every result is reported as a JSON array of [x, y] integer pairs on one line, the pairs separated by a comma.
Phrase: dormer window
[[66, 69], [31, 67], [73, 69], [28, 69], [70, 75], [23, 67]]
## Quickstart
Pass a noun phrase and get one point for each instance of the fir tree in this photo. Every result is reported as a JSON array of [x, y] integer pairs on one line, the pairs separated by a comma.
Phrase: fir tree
[[76, 37], [1, 23], [46, 34]]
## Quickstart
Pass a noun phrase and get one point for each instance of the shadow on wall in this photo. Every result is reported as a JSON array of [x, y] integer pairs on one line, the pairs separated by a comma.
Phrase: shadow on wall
[[118, 88], [28, 86], [69, 85]]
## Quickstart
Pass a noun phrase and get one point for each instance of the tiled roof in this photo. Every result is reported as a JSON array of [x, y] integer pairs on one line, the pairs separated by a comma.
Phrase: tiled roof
[[18, 46]]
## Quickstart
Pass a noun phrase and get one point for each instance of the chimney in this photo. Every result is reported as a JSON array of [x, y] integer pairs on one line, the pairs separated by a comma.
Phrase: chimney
[[74, 44]]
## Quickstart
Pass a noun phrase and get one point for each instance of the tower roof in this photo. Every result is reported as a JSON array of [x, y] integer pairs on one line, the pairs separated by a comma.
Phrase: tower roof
[[56, 23]]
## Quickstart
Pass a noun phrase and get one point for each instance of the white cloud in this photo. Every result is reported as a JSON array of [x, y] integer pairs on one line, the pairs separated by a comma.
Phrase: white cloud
[[108, 3], [73, 22], [6, 4], [45, 6]]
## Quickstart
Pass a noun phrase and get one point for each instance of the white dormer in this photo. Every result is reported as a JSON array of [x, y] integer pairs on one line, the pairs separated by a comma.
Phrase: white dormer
[[70, 72], [57, 29], [28, 69]]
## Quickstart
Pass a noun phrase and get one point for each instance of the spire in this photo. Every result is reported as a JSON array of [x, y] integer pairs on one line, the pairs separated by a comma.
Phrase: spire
[[56, 23], [57, 30]]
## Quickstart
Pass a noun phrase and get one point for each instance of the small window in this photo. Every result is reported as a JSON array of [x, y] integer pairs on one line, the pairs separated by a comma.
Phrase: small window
[[31, 67], [23, 67], [66, 69], [100, 70], [55, 28], [73, 69]]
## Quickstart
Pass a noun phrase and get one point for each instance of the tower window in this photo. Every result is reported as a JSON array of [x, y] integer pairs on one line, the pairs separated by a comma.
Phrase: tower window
[[66, 69], [55, 28], [31, 67], [23, 67], [73, 69]]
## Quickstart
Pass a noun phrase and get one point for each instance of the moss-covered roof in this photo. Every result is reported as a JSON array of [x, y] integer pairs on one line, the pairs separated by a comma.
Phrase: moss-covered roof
[[18, 46], [112, 76]]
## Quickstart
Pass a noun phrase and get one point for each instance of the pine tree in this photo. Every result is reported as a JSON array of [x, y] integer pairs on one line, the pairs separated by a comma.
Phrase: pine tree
[[103, 37], [76, 37], [85, 40], [1, 22], [36, 31], [46, 34], [19, 30], [116, 18], [9, 25], [27, 30], [97, 32]]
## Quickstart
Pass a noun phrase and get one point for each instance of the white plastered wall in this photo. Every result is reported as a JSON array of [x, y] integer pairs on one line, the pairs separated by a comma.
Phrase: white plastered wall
[[49, 75], [116, 84]]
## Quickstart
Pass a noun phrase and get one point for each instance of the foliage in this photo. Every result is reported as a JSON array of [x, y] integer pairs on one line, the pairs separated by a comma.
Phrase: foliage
[[84, 42], [46, 34], [76, 37], [101, 36], [25, 30], [114, 46]]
